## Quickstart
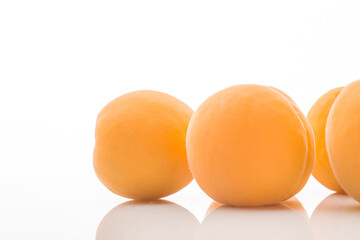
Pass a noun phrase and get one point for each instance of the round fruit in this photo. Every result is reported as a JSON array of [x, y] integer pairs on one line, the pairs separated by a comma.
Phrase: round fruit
[[343, 139], [248, 146], [317, 117], [140, 145]]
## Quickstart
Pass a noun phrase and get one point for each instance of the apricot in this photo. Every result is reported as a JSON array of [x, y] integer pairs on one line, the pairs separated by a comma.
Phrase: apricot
[[317, 117], [248, 145], [140, 149], [343, 139]]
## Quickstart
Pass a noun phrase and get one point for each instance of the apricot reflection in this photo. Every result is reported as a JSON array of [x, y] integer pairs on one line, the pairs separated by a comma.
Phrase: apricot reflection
[[281, 221], [147, 220], [336, 217]]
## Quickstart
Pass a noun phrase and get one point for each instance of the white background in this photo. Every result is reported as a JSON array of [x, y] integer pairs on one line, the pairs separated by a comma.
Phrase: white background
[[62, 61]]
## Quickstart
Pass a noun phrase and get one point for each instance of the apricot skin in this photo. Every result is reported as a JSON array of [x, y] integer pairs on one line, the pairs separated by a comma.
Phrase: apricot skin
[[317, 117], [310, 160], [140, 145], [247, 146], [343, 139]]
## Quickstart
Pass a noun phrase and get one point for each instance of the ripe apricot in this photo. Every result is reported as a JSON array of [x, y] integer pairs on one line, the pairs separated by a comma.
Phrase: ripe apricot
[[343, 139], [248, 145], [317, 117], [140, 145]]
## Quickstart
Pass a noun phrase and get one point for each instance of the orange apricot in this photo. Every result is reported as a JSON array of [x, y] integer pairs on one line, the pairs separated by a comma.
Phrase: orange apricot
[[343, 139], [247, 145], [317, 117], [140, 149]]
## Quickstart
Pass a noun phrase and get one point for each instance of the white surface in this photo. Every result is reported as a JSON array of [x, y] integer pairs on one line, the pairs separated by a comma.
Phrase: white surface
[[62, 61]]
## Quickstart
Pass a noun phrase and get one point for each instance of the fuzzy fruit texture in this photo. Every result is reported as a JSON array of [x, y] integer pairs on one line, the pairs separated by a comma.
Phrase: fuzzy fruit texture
[[249, 146], [343, 139], [317, 117], [140, 145]]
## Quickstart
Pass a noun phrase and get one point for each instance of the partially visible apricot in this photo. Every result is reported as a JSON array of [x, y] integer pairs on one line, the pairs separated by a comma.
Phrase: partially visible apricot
[[140, 145], [343, 139], [248, 146], [317, 117]]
